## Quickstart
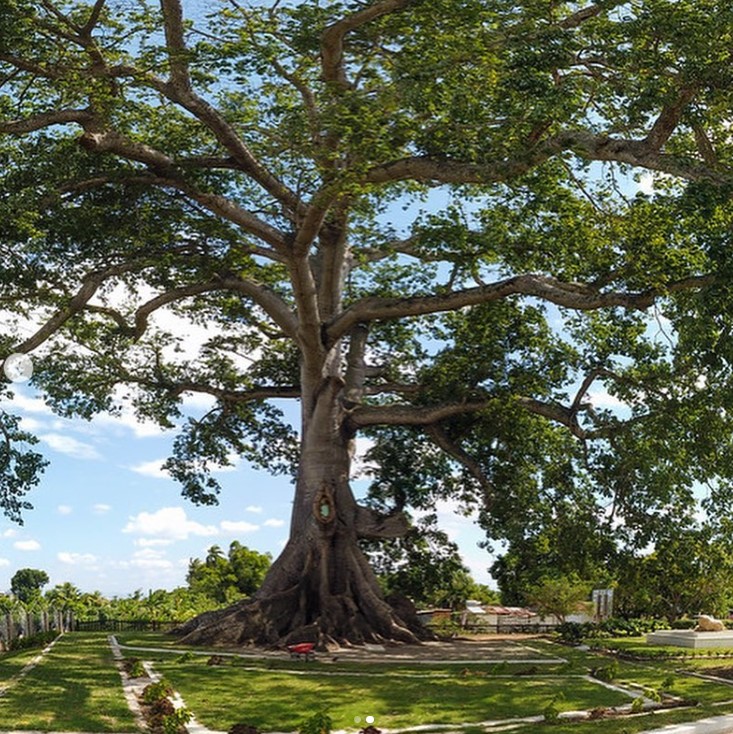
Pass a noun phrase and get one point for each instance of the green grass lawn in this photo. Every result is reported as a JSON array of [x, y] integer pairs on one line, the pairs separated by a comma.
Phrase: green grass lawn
[[76, 687], [11, 663], [279, 693], [221, 696]]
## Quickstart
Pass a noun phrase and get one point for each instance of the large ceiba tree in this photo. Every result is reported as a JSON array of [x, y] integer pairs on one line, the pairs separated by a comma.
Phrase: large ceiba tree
[[432, 223]]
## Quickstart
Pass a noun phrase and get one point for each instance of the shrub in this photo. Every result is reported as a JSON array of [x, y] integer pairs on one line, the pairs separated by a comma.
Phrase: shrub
[[159, 711], [635, 627], [606, 672], [40, 639], [319, 723], [572, 633], [175, 722], [447, 627], [243, 729], [683, 623], [135, 668], [551, 712], [156, 691]]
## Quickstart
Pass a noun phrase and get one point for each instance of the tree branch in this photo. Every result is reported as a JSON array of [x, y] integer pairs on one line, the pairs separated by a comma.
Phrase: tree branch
[[580, 16], [176, 45], [372, 524], [90, 285], [442, 440], [356, 368], [268, 300], [179, 90], [411, 415], [332, 39], [570, 295], [93, 17], [669, 118], [587, 145], [555, 412], [109, 141], [47, 119], [263, 392]]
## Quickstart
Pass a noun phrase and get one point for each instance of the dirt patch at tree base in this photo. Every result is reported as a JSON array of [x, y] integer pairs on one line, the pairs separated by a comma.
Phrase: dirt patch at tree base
[[488, 649]]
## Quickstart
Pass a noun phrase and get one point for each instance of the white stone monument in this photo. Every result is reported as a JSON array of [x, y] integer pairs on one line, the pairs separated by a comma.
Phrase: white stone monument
[[709, 633]]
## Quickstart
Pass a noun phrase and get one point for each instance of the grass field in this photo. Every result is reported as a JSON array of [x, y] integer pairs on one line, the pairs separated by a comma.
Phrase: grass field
[[279, 694], [76, 687], [224, 695]]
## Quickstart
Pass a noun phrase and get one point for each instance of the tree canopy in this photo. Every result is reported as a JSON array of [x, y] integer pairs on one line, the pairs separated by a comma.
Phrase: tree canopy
[[27, 583], [225, 578], [491, 236]]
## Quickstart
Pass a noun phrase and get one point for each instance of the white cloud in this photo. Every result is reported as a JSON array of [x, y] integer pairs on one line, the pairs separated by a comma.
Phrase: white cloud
[[4, 562], [274, 523], [152, 468], [198, 401], [360, 467], [127, 421], [76, 559], [27, 545], [652, 182], [32, 425], [152, 542], [64, 510], [241, 526], [70, 446], [603, 399], [168, 523], [257, 509], [101, 509], [148, 559], [9, 533], [23, 404]]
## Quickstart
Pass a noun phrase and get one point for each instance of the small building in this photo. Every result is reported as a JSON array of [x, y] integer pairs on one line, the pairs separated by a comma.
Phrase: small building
[[497, 618], [434, 616]]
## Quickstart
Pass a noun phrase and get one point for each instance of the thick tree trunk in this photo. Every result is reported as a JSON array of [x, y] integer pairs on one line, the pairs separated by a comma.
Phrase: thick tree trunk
[[321, 588]]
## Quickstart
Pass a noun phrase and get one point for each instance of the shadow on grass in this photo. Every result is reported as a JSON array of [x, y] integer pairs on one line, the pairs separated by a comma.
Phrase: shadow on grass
[[76, 687], [275, 700]]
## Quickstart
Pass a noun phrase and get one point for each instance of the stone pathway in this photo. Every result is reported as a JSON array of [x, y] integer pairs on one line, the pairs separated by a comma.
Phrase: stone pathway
[[135, 686]]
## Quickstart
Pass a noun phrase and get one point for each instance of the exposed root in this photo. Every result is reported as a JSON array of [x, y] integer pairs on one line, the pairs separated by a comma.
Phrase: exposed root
[[271, 623]]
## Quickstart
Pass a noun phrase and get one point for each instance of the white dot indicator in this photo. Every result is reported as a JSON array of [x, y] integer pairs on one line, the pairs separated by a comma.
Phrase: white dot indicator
[[18, 367]]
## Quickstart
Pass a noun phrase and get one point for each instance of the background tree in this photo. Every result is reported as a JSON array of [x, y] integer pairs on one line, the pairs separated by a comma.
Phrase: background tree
[[227, 578], [26, 584], [688, 573], [419, 220], [425, 567], [559, 595]]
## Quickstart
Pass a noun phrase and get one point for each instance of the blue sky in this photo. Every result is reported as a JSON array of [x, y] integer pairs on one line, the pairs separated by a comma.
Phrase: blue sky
[[107, 518]]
